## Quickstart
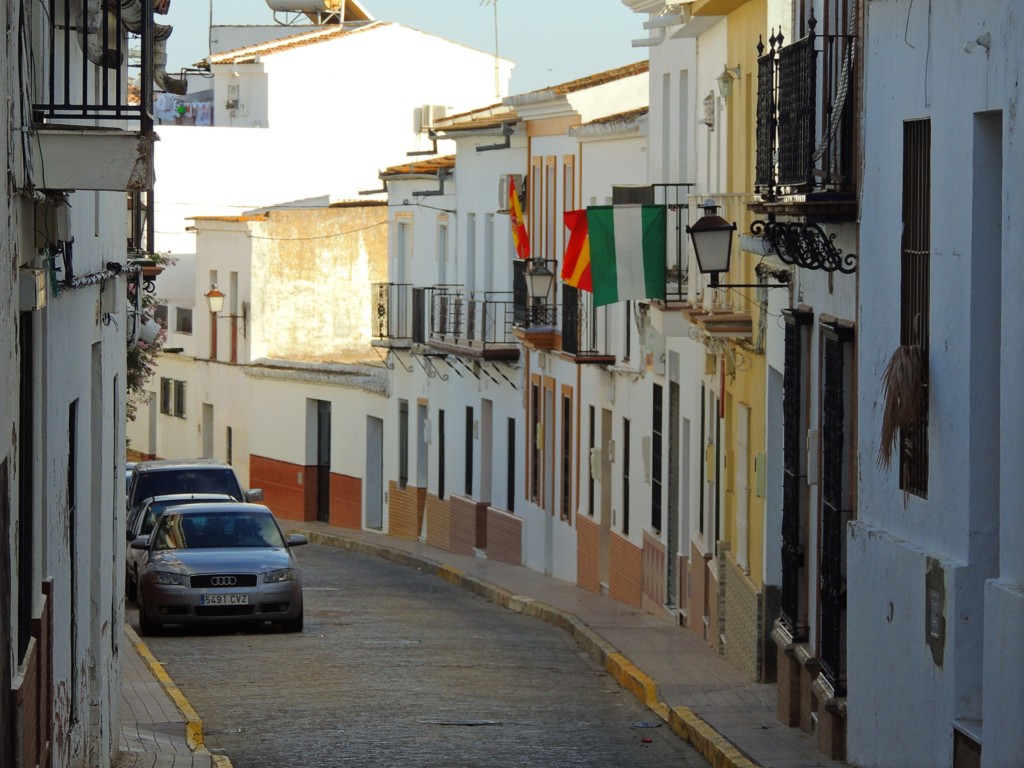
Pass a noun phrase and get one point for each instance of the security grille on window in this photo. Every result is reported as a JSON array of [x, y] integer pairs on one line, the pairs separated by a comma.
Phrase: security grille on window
[[166, 394], [182, 320], [179, 399]]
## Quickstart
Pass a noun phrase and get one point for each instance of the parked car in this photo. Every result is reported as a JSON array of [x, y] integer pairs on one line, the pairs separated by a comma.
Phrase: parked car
[[161, 477], [218, 563], [129, 467], [142, 520]]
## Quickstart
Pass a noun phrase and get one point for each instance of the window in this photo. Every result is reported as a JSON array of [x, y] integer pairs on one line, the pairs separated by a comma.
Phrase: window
[[230, 446], [469, 451], [403, 443], [656, 438], [510, 469], [166, 394], [72, 454], [179, 399], [625, 477], [566, 498], [915, 315], [590, 454], [182, 320], [160, 315], [535, 432], [442, 251], [440, 454]]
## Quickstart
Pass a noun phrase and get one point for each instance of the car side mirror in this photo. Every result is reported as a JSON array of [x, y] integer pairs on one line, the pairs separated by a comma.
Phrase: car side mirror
[[140, 542], [254, 494], [296, 540], [129, 535]]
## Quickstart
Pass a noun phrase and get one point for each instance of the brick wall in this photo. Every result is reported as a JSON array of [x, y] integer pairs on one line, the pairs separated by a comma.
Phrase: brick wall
[[653, 573], [285, 487], [504, 537], [405, 511], [346, 509], [438, 522], [624, 571], [468, 521], [588, 553]]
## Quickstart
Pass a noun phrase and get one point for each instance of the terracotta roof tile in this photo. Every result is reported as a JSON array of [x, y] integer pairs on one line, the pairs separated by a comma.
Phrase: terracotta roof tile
[[422, 167], [331, 32]]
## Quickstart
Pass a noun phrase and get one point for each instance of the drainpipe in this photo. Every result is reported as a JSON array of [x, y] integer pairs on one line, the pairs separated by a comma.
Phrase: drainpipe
[[98, 33], [131, 17]]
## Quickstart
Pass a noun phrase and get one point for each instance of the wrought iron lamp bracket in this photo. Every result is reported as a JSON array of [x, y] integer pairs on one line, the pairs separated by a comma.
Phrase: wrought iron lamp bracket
[[805, 245]]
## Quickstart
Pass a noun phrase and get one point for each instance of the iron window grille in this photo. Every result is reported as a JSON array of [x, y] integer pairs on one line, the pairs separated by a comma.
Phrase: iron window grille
[[793, 599], [835, 506]]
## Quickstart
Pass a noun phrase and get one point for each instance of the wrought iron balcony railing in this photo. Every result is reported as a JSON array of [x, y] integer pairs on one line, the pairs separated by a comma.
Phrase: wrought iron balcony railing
[[476, 323], [805, 109], [91, 46], [579, 327], [392, 311]]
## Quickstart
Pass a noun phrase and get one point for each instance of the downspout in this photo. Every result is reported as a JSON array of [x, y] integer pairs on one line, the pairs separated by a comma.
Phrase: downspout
[[131, 17], [97, 33]]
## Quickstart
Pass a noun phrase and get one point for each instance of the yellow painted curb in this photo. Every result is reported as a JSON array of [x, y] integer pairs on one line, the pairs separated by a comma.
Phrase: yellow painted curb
[[193, 724]]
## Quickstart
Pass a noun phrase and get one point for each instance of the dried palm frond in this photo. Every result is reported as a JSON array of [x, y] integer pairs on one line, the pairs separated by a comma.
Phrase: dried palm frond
[[903, 393]]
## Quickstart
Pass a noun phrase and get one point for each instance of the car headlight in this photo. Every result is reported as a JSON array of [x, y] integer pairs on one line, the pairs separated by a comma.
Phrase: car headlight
[[166, 577], [274, 577]]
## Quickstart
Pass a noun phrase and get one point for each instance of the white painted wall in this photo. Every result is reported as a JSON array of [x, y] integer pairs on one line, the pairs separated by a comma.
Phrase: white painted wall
[[917, 67]]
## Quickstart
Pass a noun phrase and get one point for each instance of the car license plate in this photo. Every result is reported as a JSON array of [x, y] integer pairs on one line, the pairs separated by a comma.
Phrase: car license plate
[[224, 600]]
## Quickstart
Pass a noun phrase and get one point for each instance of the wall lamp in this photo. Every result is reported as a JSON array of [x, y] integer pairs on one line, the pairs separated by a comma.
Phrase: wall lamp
[[215, 300], [711, 236], [725, 80]]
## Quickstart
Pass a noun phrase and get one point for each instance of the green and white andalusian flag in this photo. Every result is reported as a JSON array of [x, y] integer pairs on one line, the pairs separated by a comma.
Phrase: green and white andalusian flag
[[627, 252]]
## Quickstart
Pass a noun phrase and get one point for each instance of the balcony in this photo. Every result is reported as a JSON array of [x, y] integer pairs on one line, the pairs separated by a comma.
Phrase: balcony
[[579, 328], [535, 320], [806, 128], [392, 322], [472, 325], [92, 120]]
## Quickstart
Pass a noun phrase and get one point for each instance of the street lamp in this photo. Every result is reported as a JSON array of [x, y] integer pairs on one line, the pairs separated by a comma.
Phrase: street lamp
[[712, 242], [215, 300], [538, 280]]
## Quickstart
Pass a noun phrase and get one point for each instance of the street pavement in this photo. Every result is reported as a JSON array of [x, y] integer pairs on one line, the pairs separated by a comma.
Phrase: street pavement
[[701, 696]]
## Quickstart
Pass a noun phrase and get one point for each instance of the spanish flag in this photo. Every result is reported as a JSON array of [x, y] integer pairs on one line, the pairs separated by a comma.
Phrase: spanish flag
[[576, 264], [515, 213]]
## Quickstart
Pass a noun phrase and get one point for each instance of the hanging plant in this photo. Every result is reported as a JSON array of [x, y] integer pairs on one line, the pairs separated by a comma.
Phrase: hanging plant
[[141, 358], [903, 392]]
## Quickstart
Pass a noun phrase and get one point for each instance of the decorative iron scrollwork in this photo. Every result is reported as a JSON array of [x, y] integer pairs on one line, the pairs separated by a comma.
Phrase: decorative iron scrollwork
[[805, 245]]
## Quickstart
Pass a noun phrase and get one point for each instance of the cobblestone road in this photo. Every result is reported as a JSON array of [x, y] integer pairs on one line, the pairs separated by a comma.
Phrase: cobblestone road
[[398, 668]]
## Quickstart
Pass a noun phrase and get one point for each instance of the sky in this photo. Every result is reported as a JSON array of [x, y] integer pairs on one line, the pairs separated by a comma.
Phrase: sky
[[550, 41]]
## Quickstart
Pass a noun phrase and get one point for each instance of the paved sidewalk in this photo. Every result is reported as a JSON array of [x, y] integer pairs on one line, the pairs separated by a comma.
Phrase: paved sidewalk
[[705, 700], [159, 728]]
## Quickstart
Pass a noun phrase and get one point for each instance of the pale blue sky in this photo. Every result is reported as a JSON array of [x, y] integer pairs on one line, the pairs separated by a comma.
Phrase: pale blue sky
[[550, 41]]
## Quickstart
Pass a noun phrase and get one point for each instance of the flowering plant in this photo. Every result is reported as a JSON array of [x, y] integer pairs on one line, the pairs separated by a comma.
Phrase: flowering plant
[[141, 359]]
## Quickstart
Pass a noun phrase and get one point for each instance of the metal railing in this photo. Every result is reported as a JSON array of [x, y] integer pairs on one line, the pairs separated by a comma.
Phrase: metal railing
[[470, 320], [579, 333], [805, 111], [89, 53], [392, 310]]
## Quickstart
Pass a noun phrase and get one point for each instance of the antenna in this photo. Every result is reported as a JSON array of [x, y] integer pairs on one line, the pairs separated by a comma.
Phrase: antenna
[[497, 79]]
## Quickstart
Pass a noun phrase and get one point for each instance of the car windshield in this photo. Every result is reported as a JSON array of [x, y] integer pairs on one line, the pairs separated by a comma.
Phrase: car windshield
[[217, 529], [156, 508], [205, 480]]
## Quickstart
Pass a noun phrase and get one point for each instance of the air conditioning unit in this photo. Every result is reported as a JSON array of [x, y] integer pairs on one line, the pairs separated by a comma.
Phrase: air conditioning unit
[[424, 118], [503, 204]]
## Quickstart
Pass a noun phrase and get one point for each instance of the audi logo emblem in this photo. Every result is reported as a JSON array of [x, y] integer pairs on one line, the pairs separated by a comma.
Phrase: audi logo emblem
[[223, 581]]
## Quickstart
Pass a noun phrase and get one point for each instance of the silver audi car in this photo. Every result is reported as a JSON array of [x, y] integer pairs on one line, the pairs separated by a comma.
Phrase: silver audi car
[[218, 563]]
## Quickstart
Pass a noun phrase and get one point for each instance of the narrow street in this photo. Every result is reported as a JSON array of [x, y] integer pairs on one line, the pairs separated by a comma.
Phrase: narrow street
[[396, 667]]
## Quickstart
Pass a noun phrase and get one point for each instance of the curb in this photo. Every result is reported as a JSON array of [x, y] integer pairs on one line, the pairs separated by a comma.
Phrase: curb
[[713, 746], [194, 737]]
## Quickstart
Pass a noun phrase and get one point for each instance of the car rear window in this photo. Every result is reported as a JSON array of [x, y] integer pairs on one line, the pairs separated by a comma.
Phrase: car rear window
[[171, 481]]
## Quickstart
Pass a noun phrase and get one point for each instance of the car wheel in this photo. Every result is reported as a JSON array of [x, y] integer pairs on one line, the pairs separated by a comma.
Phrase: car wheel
[[147, 628], [293, 625]]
